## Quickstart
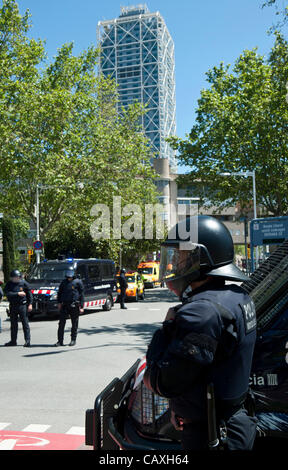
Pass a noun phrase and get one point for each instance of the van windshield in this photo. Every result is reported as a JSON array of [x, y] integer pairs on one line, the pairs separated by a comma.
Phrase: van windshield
[[48, 272], [146, 270], [130, 278]]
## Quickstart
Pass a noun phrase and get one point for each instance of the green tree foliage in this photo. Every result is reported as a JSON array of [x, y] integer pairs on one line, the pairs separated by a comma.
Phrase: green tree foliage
[[242, 125], [62, 130], [281, 12], [80, 244]]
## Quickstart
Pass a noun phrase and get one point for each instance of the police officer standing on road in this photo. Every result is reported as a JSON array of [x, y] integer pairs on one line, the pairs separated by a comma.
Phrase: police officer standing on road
[[206, 340], [70, 303], [20, 299], [123, 286]]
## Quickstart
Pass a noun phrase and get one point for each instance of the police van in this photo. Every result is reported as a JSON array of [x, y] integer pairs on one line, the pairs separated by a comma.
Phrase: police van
[[97, 275]]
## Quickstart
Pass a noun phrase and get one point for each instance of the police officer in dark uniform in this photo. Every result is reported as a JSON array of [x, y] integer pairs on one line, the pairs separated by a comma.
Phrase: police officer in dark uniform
[[70, 303], [207, 339], [123, 286], [20, 301]]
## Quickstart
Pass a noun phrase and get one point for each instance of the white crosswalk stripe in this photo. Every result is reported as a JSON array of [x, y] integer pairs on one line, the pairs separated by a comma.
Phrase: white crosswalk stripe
[[37, 428], [76, 430], [42, 428], [8, 444], [3, 426]]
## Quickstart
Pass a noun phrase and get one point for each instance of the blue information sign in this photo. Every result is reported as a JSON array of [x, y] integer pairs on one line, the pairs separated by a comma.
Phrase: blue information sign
[[267, 231]]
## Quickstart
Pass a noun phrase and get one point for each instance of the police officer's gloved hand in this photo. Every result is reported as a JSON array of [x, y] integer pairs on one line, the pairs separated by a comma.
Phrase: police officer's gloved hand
[[176, 421], [170, 314]]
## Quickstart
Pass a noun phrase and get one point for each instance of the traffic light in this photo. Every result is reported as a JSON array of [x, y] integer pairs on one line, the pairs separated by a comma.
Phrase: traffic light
[[30, 254], [248, 251]]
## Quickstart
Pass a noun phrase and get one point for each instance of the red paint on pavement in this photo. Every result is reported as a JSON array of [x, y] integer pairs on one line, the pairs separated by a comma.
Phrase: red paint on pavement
[[17, 440]]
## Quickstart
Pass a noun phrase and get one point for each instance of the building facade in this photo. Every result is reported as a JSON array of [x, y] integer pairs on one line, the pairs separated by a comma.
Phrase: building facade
[[138, 52]]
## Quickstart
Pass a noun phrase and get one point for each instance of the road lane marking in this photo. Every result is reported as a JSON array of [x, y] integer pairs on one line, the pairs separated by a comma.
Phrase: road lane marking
[[154, 309], [3, 426], [15, 440], [37, 428], [76, 430], [8, 444]]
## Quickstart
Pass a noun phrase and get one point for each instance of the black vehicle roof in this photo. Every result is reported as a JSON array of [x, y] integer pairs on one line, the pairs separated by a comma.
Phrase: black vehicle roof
[[78, 260]]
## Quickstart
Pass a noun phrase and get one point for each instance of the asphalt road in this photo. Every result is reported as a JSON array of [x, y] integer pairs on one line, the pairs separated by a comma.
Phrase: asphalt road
[[53, 387]]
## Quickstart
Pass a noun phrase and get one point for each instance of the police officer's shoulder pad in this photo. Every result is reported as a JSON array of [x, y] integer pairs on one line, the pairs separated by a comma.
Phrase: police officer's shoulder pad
[[201, 316]]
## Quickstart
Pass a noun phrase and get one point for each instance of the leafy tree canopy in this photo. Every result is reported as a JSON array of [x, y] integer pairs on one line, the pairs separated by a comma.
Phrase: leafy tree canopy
[[62, 130], [241, 125]]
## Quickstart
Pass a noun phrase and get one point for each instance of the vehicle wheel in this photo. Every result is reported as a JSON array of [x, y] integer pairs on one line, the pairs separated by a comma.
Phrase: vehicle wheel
[[108, 304]]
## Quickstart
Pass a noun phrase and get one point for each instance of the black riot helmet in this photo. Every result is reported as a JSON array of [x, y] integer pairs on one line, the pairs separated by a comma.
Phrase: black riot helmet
[[69, 273], [195, 248], [15, 275]]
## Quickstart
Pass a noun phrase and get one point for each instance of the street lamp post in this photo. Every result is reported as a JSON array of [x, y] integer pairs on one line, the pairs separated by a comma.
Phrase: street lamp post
[[248, 173], [79, 185], [37, 222]]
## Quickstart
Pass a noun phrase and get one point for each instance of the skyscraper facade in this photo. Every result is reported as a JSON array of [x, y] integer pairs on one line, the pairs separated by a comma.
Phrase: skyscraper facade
[[138, 52]]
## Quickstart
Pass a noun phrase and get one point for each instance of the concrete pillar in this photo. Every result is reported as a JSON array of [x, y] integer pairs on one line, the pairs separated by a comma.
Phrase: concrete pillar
[[161, 166]]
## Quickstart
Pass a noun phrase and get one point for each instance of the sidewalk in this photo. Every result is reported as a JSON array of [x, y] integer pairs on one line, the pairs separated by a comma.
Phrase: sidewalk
[[3, 315], [3, 305]]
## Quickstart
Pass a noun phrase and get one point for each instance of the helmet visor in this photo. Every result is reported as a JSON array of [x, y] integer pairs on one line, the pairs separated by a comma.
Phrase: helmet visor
[[69, 273], [179, 260]]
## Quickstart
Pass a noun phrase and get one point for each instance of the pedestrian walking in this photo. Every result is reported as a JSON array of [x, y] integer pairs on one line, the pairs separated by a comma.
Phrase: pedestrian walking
[[123, 286], [20, 301], [205, 347], [70, 303]]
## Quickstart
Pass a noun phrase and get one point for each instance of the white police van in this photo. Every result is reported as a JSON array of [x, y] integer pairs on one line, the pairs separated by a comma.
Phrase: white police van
[[97, 275]]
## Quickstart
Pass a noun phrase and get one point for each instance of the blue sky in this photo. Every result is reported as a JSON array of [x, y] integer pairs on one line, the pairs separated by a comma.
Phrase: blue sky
[[205, 32]]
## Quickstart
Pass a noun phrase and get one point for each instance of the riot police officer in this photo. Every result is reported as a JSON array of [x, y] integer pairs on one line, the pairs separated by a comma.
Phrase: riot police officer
[[70, 300], [123, 286], [207, 339], [20, 301]]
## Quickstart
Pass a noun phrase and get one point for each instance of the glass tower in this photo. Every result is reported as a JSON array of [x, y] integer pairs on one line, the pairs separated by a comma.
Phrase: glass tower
[[138, 52]]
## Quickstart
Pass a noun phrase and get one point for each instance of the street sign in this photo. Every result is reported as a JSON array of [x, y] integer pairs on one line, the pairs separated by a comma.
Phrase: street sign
[[38, 245], [269, 231]]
